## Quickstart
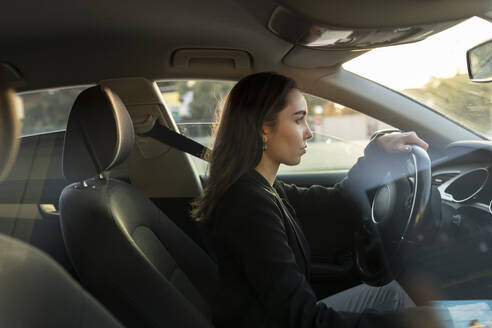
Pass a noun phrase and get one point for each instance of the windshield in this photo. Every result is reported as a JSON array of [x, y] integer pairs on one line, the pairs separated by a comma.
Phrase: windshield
[[434, 73]]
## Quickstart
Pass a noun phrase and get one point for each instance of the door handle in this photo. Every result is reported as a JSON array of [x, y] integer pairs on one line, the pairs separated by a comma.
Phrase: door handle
[[49, 211]]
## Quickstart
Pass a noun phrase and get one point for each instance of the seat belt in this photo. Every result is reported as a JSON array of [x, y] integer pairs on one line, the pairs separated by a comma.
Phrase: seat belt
[[189, 146], [177, 141]]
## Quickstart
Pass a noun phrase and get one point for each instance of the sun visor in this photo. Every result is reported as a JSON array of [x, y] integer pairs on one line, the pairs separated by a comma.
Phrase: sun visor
[[375, 14], [331, 35]]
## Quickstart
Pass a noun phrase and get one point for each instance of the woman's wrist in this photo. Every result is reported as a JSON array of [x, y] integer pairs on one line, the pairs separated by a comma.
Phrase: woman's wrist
[[382, 132], [374, 148]]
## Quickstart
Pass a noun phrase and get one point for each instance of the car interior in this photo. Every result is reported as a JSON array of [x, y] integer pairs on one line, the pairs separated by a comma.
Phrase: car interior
[[95, 225], [29, 272]]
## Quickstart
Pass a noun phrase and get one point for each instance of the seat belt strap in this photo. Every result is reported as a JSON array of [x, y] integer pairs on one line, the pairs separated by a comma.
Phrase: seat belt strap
[[177, 141], [187, 145]]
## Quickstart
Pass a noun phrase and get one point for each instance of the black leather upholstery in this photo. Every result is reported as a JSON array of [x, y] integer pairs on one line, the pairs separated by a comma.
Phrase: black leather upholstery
[[128, 253], [37, 292], [99, 134]]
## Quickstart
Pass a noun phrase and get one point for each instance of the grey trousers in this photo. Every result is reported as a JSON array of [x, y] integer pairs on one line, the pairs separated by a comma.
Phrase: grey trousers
[[390, 297]]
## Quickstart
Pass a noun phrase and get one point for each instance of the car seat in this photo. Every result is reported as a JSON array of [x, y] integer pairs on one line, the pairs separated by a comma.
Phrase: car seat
[[125, 250]]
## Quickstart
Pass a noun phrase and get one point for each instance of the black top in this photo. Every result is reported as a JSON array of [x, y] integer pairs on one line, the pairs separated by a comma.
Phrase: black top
[[263, 255]]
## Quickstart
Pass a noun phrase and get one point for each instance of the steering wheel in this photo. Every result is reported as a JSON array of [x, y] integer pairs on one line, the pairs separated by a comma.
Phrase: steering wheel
[[396, 214]]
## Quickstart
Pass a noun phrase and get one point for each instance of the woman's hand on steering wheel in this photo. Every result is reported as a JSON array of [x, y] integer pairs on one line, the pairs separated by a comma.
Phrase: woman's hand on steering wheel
[[400, 142]]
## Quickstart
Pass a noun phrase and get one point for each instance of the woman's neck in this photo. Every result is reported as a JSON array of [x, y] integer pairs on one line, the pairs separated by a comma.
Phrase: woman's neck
[[268, 169]]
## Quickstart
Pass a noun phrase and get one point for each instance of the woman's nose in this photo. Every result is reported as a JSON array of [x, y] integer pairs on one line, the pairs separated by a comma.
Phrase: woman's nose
[[308, 134]]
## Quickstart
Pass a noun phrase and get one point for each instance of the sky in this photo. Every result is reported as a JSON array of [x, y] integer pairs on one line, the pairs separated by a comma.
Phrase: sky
[[412, 65]]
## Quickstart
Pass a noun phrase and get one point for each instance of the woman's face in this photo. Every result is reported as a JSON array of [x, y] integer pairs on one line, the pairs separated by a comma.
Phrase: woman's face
[[286, 142]]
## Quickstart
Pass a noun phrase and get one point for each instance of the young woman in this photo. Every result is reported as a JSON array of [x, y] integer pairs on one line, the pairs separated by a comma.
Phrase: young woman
[[255, 220]]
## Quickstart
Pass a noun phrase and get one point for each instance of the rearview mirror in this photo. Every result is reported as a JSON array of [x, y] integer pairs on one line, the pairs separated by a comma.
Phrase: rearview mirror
[[479, 60]]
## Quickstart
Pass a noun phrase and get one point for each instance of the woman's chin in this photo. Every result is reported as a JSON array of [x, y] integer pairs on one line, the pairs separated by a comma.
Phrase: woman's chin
[[293, 162]]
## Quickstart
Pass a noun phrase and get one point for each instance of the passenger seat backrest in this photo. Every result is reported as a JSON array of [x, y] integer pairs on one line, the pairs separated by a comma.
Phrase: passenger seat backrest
[[37, 292], [127, 252]]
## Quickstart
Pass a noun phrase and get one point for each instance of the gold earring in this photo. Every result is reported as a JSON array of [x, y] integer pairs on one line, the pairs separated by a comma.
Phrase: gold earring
[[264, 147]]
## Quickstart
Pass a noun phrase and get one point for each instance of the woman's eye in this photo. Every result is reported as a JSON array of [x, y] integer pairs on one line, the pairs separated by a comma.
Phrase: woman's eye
[[299, 120]]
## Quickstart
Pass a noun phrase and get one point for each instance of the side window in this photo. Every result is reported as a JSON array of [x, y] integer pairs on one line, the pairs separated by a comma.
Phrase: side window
[[193, 105], [47, 110], [339, 133]]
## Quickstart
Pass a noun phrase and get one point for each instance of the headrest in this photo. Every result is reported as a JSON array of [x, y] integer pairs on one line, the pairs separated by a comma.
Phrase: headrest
[[99, 134], [9, 126]]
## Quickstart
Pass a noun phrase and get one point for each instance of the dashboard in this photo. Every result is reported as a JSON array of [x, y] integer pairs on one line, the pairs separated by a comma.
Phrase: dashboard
[[463, 176], [465, 185], [459, 258]]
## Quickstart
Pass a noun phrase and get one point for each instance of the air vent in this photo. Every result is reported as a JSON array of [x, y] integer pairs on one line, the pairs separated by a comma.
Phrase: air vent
[[440, 178]]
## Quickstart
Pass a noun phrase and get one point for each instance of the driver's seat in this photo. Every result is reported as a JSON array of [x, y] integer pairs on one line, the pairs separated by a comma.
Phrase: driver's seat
[[128, 253]]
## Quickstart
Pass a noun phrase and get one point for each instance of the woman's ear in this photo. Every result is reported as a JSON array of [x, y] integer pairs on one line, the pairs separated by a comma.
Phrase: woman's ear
[[265, 132]]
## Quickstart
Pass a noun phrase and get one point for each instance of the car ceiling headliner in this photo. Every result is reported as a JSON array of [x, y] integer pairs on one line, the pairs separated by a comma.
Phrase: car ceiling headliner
[[58, 42]]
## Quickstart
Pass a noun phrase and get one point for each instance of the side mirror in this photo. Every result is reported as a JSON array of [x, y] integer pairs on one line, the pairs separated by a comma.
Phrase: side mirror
[[479, 60]]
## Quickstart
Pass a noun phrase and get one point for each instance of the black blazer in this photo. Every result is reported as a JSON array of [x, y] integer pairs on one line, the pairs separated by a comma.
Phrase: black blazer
[[263, 256]]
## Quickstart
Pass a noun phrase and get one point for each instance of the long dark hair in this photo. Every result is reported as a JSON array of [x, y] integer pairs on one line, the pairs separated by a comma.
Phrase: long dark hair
[[253, 101]]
